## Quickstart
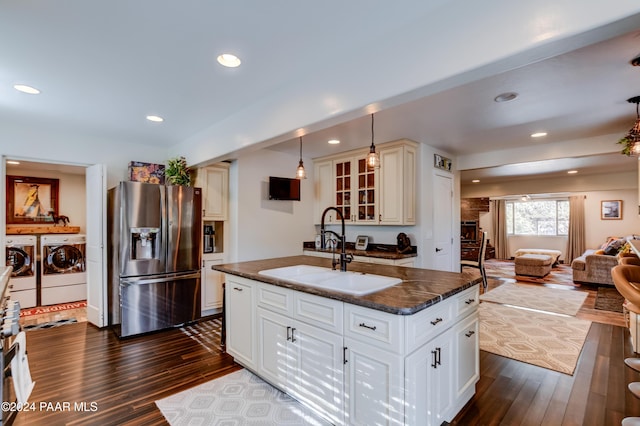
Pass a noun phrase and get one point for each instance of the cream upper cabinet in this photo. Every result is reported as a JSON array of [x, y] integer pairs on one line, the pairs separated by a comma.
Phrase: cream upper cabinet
[[323, 188], [214, 181], [398, 184], [384, 196]]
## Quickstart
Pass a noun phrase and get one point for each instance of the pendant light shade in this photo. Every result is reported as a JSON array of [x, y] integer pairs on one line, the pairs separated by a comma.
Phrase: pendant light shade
[[300, 172], [632, 139], [373, 158]]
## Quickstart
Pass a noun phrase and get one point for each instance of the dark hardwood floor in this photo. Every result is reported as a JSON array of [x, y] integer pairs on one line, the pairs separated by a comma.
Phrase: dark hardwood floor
[[79, 363]]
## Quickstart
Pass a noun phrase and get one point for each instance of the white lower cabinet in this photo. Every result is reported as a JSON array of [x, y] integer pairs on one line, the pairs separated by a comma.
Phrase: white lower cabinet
[[304, 360], [240, 320], [374, 385], [430, 373], [356, 365], [211, 286]]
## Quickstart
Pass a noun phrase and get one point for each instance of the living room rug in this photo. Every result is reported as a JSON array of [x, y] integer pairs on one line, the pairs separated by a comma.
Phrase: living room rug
[[561, 274], [566, 302], [609, 299], [239, 398], [546, 340]]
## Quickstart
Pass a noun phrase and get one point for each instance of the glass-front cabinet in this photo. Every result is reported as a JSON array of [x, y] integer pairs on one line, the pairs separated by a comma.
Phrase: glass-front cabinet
[[355, 190], [346, 182]]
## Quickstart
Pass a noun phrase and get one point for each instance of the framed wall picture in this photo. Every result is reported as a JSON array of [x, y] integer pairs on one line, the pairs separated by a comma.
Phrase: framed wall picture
[[611, 209], [31, 199], [441, 162]]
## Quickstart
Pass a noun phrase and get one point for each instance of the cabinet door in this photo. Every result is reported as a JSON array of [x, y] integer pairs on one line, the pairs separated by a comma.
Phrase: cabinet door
[[397, 185], [216, 189], [274, 333], [211, 286], [374, 385], [319, 370], [467, 355], [365, 192], [323, 188], [343, 187], [429, 373], [240, 320]]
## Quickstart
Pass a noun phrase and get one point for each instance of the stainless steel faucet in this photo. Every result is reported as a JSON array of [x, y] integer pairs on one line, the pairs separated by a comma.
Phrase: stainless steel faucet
[[344, 257]]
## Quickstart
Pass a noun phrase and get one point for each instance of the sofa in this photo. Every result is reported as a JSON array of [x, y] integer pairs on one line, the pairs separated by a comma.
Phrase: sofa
[[594, 266]]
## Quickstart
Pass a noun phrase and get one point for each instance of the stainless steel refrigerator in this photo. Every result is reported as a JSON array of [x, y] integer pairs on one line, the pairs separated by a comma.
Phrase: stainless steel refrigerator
[[155, 233]]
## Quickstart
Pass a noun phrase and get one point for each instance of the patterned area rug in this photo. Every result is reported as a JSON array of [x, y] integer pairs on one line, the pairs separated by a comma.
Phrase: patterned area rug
[[546, 340], [560, 274], [52, 308], [566, 302], [239, 398], [608, 299]]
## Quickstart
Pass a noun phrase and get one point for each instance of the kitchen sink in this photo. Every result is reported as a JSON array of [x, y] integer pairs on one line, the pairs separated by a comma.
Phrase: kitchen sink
[[355, 283]]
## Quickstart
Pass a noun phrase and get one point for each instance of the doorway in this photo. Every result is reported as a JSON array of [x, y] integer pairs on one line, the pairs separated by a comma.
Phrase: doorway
[[81, 192]]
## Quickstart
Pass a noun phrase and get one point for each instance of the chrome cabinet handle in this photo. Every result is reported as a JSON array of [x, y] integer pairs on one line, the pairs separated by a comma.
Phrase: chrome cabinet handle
[[293, 338], [288, 333], [436, 321], [344, 355]]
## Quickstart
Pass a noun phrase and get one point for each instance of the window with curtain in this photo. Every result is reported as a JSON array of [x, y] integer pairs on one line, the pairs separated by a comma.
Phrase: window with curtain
[[537, 217]]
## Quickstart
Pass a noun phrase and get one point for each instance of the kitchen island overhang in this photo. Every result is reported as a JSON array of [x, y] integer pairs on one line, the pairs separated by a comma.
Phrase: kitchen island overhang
[[420, 288]]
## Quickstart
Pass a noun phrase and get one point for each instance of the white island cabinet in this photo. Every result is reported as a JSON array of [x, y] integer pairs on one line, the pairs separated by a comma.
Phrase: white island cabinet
[[356, 365]]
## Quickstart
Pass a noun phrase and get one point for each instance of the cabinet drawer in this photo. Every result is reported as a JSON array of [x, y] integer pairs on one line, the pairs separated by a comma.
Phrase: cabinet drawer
[[467, 301], [318, 311], [276, 299], [428, 323], [377, 328]]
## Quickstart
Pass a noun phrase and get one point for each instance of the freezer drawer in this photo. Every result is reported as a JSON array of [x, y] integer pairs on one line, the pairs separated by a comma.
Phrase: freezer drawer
[[155, 303]]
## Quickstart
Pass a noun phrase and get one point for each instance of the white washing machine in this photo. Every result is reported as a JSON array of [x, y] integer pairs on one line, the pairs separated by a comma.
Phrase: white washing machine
[[63, 268], [21, 255]]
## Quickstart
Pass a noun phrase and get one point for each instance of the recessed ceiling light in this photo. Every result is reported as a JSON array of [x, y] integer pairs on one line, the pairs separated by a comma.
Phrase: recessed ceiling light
[[572, 172], [14, 162], [475, 181], [333, 142], [229, 60], [506, 97], [538, 135], [26, 89], [155, 118]]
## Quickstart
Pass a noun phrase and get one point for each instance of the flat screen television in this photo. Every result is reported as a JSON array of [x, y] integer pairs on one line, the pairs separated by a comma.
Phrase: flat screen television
[[284, 188]]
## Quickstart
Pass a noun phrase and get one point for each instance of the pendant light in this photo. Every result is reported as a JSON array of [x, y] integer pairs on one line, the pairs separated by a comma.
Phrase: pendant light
[[632, 140], [373, 159], [300, 173]]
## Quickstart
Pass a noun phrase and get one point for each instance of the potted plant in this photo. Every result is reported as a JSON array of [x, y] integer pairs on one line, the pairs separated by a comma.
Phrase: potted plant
[[177, 172]]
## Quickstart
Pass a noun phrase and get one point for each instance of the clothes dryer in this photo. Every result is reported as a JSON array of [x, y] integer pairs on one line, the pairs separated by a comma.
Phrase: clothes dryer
[[21, 255], [63, 268]]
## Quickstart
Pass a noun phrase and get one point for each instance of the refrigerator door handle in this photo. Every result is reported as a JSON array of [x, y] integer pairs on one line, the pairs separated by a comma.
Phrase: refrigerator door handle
[[139, 281]]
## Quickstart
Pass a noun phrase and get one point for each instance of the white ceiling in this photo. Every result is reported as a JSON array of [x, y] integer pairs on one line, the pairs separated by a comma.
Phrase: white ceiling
[[103, 66]]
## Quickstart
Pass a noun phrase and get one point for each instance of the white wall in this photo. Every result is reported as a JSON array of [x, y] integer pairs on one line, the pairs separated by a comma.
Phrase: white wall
[[263, 228], [54, 145]]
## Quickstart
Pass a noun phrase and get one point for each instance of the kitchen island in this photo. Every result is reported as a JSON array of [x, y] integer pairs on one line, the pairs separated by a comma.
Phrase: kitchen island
[[407, 354]]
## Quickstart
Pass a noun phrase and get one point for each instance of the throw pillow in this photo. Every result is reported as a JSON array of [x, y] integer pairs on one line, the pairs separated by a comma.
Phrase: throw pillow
[[613, 247]]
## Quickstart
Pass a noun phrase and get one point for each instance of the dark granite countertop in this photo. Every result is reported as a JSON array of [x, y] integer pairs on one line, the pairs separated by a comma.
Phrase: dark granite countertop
[[420, 288], [382, 251]]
